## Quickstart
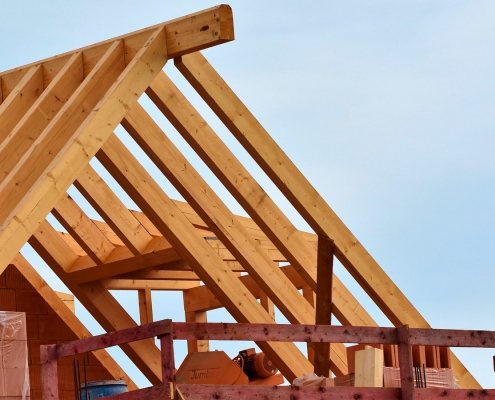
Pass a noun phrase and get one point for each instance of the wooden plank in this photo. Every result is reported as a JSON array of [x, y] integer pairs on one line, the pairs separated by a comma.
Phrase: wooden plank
[[124, 92], [139, 284], [110, 339], [296, 188], [234, 176], [163, 275], [185, 34], [40, 153], [267, 304], [100, 304], [217, 215], [122, 261], [369, 367], [168, 363], [206, 392], [405, 363], [145, 306], [285, 332], [20, 100], [322, 219], [323, 309], [82, 229], [68, 316], [197, 345], [112, 210], [47, 237], [158, 207], [34, 121]]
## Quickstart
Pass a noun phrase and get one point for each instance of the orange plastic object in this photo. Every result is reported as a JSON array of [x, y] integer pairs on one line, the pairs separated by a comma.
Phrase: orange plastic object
[[211, 368]]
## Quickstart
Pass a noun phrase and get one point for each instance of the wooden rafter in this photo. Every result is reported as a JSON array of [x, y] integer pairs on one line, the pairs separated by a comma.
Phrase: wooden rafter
[[165, 215], [57, 114]]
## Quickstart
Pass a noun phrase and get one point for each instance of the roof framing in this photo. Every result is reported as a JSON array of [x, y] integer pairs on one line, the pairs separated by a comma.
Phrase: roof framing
[[56, 115]]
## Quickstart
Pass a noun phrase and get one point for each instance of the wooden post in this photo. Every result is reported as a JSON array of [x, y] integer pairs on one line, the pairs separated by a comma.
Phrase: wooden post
[[194, 346], [168, 364], [324, 273], [309, 295], [49, 374], [405, 363]]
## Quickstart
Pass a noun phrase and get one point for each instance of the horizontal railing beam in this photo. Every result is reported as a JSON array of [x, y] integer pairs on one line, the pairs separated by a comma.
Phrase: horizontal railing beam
[[116, 338], [280, 333]]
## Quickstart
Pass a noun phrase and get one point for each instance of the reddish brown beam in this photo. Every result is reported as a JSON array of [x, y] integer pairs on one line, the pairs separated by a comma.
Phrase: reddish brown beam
[[114, 338], [283, 333], [405, 363], [280, 332], [168, 362], [323, 309], [452, 338]]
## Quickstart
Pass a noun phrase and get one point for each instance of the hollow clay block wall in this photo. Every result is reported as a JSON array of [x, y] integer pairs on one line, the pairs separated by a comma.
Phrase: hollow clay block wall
[[14, 373], [44, 326]]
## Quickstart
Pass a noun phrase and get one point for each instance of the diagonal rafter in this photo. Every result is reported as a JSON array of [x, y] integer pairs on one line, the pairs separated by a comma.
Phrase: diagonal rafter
[[83, 229], [165, 215], [98, 301], [68, 317], [303, 196], [113, 211], [20, 100], [223, 223], [21, 219], [27, 132]]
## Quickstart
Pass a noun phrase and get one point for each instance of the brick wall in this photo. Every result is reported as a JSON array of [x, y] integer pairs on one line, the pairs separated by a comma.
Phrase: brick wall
[[44, 327]]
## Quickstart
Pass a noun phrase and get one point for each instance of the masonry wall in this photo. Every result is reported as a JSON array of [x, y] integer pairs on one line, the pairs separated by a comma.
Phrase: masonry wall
[[44, 327]]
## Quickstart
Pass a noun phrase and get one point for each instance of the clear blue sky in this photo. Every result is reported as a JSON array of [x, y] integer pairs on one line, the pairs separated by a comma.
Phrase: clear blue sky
[[386, 107]]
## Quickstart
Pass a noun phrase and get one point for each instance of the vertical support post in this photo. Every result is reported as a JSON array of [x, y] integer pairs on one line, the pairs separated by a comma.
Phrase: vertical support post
[[324, 274], [145, 306], [194, 346], [405, 363], [49, 374], [309, 295], [168, 363]]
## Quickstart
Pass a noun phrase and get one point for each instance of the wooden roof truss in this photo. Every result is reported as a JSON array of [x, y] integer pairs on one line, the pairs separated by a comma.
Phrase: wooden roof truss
[[59, 113]]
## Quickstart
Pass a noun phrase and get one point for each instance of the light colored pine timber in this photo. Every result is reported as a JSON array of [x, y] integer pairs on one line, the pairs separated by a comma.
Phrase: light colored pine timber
[[82, 229], [369, 367], [145, 306], [112, 210], [122, 261], [20, 100], [28, 214], [183, 35], [255, 260], [33, 123], [64, 256], [157, 274], [234, 176], [101, 305], [302, 195], [68, 300], [194, 346], [35, 161], [267, 304], [67, 315], [140, 284], [163, 213]]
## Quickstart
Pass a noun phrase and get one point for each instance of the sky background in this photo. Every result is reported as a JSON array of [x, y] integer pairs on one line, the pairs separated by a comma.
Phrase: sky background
[[385, 106]]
